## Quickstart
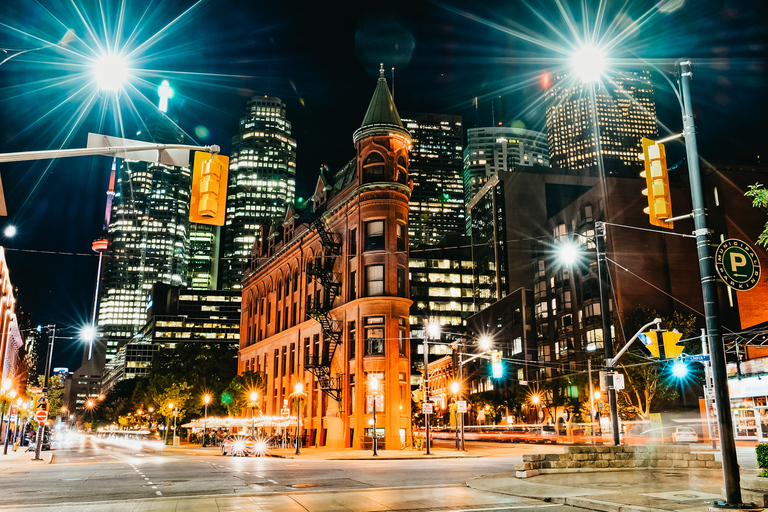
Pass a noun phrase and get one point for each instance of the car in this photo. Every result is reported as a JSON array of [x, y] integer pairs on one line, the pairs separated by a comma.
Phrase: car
[[684, 435], [548, 434], [237, 445]]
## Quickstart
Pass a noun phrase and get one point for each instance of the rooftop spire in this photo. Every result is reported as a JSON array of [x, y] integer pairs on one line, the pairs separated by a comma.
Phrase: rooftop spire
[[382, 117]]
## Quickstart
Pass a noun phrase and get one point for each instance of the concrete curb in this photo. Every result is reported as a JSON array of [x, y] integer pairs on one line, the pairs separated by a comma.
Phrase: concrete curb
[[604, 506]]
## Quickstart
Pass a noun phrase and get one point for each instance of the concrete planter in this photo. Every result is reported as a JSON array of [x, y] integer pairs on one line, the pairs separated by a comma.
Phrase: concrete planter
[[754, 489]]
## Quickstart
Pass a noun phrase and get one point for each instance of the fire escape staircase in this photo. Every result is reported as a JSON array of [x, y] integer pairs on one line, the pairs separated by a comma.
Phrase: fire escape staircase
[[319, 308]]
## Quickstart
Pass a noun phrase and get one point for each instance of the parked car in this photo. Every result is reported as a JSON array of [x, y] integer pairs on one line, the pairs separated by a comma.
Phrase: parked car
[[238, 445], [684, 435]]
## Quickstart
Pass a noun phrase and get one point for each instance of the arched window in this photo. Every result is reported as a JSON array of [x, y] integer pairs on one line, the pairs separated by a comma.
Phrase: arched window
[[373, 168], [402, 174]]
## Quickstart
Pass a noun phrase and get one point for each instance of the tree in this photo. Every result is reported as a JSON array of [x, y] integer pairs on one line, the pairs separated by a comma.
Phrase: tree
[[759, 196], [646, 380], [55, 393], [118, 402], [236, 396], [208, 366]]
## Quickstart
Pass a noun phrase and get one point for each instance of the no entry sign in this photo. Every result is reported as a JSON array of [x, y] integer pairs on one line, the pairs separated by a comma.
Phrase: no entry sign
[[41, 415]]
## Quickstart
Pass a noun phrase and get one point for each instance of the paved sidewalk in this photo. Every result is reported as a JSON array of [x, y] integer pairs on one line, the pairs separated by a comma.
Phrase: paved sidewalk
[[648, 490], [23, 457]]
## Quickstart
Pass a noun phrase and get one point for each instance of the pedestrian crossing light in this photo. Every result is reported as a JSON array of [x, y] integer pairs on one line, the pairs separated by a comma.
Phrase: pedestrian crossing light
[[657, 180], [209, 189], [496, 368], [651, 342]]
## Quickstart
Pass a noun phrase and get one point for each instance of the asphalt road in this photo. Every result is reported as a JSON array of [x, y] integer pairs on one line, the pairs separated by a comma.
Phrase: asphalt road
[[95, 470]]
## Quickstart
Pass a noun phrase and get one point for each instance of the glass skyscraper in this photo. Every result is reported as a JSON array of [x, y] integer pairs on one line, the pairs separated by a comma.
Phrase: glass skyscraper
[[625, 110], [148, 238], [262, 182], [437, 200]]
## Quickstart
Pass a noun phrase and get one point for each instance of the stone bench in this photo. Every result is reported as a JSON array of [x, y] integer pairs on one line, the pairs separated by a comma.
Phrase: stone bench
[[597, 458]]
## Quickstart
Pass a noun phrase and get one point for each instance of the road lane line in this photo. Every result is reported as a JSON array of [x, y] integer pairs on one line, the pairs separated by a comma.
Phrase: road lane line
[[273, 482], [158, 493]]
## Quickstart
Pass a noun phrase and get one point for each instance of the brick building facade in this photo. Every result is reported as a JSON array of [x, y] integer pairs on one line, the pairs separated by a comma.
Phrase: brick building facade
[[325, 301]]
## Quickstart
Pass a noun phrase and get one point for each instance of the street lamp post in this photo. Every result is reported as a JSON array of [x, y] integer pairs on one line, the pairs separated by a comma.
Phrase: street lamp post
[[709, 291], [431, 330], [41, 427], [373, 384], [206, 401], [253, 397], [458, 415], [11, 394], [298, 393]]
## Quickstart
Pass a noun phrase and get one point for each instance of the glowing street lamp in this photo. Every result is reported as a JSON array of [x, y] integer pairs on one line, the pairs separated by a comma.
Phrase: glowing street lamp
[[111, 72], [206, 401], [254, 396], [589, 62], [9, 231], [373, 385], [298, 394]]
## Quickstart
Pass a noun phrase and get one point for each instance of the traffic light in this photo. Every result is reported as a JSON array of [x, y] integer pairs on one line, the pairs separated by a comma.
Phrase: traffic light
[[672, 347], [651, 342], [657, 180], [209, 189], [496, 367]]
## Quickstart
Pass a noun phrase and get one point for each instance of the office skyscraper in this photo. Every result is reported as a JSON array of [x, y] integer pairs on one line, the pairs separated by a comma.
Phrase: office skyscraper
[[499, 148], [262, 182], [625, 110], [437, 201], [148, 238]]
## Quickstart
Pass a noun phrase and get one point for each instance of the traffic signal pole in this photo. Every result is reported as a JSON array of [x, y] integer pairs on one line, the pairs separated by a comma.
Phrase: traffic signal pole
[[41, 425], [709, 292]]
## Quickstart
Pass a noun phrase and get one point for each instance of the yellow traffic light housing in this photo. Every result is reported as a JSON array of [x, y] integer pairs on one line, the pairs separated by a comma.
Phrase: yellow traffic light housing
[[672, 348], [209, 189], [657, 181], [651, 342]]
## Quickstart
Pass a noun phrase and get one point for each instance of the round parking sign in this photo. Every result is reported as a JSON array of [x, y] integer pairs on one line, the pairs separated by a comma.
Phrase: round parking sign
[[737, 264], [41, 415]]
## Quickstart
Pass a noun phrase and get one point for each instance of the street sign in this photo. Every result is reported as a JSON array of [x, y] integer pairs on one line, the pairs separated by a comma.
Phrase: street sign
[[618, 381], [41, 415], [523, 382], [426, 408], [14, 409], [701, 358], [285, 412], [461, 406], [737, 264]]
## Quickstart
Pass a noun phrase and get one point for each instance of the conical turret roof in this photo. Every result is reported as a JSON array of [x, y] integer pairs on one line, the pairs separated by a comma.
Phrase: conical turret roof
[[382, 117]]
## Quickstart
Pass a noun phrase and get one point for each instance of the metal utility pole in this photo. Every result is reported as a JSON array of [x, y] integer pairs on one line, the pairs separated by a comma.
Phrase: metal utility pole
[[461, 384], [426, 389], [605, 312], [709, 291], [49, 357]]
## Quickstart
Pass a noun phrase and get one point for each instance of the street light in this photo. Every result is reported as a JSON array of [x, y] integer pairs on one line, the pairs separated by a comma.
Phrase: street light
[[253, 397], [373, 385], [41, 428], [206, 401], [431, 330], [298, 394], [459, 416], [9, 231], [110, 71], [173, 411]]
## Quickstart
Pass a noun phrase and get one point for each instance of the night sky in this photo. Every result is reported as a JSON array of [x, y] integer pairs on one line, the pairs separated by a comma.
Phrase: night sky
[[322, 60]]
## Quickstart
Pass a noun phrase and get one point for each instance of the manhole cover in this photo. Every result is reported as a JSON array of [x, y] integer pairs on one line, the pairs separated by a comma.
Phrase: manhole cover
[[306, 485]]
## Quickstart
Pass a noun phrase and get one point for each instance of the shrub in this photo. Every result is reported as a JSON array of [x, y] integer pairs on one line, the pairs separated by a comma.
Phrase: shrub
[[761, 451]]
